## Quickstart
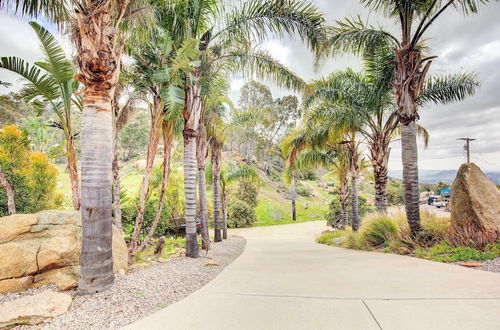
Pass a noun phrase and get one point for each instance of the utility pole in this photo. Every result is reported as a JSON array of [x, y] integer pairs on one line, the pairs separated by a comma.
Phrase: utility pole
[[467, 146]]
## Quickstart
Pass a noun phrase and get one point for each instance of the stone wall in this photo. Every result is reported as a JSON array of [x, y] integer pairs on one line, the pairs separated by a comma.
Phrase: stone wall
[[44, 248]]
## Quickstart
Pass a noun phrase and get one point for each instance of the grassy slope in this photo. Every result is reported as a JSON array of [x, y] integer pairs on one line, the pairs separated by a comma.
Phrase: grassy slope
[[273, 208]]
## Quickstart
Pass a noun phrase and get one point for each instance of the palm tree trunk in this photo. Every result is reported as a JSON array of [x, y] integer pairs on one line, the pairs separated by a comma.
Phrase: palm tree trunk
[[11, 205], [216, 163], [344, 205], [191, 115], [294, 210], [154, 140], [97, 151], [73, 172], [168, 136], [354, 202], [117, 208], [410, 175], [380, 158], [224, 214], [201, 155], [190, 195]]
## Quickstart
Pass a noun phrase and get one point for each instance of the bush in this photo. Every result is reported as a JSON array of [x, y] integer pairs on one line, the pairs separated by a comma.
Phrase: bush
[[240, 214], [247, 192], [376, 230], [302, 191], [31, 175], [445, 252], [333, 218]]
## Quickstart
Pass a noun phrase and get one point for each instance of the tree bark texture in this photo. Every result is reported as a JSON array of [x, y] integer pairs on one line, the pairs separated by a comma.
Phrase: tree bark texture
[[410, 176], [224, 214], [9, 191], [201, 156], [191, 115], [379, 155], [99, 62], [410, 73], [168, 137], [154, 140], [73, 172], [344, 204], [355, 202], [216, 167]]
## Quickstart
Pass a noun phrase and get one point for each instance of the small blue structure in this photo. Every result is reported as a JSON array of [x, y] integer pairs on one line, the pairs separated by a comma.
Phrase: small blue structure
[[445, 192]]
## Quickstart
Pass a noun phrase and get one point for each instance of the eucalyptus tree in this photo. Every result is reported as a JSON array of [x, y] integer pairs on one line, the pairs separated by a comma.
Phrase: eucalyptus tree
[[50, 84], [225, 33], [412, 65]]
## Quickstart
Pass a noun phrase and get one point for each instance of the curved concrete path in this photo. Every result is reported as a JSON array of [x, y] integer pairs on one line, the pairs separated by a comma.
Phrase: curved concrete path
[[284, 280]]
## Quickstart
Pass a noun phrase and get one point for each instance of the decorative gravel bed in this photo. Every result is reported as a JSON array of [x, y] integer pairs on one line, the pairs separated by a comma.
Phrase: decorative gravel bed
[[143, 292], [491, 265]]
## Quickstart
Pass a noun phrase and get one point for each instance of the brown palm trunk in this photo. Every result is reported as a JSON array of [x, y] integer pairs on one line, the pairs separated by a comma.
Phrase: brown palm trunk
[[191, 115], [9, 191], [154, 140], [354, 202], [201, 155], [344, 205], [380, 157], [216, 164], [168, 136], [294, 210], [73, 172], [117, 208]]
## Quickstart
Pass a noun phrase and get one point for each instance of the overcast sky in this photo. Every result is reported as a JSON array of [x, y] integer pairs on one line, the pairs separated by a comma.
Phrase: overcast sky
[[462, 43]]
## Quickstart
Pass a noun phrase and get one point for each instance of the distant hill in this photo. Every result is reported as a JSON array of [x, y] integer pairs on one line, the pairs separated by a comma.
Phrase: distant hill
[[446, 176]]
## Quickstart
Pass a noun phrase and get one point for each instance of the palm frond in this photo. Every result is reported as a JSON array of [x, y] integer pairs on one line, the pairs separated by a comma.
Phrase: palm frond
[[449, 88]]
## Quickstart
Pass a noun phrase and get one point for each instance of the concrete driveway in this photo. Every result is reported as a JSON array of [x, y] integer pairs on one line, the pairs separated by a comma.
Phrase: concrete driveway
[[284, 280]]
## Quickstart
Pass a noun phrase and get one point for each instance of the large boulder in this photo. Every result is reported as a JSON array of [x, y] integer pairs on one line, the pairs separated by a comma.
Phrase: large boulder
[[44, 248], [31, 310], [475, 201]]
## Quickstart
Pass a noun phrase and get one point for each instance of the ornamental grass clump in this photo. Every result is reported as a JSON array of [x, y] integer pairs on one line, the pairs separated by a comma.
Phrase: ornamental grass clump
[[377, 229]]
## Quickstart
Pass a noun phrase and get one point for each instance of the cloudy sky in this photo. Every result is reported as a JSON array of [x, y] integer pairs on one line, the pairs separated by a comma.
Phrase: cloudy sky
[[462, 43]]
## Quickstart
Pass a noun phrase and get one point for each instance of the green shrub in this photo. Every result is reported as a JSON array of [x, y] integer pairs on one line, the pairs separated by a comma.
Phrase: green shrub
[[32, 176], [445, 252], [302, 191], [240, 214], [333, 217], [328, 236], [376, 230], [247, 192]]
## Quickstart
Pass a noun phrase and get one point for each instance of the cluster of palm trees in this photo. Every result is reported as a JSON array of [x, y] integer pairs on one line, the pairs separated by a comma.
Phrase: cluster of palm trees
[[184, 52]]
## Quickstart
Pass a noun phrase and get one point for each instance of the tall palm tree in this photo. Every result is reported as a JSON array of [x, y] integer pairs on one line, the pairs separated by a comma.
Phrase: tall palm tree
[[227, 35], [100, 29], [50, 83], [411, 69]]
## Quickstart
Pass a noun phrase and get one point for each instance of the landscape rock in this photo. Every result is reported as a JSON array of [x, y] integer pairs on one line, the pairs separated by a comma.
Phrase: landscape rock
[[32, 310], [475, 201], [470, 264], [44, 248]]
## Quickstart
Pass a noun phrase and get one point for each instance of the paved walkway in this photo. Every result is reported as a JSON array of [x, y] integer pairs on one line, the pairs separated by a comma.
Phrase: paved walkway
[[284, 280]]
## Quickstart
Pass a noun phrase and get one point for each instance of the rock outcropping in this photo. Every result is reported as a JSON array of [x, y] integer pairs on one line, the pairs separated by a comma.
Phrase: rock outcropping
[[44, 248], [32, 310], [475, 201]]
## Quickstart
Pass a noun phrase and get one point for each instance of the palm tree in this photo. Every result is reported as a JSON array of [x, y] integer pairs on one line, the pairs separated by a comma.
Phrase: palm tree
[[50, 83], [99, 32], [159, 71], [411, 68], [229, 41]]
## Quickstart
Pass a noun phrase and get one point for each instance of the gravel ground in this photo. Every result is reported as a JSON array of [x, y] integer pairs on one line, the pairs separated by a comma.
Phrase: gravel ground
[[142, 292], [491, 265]]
